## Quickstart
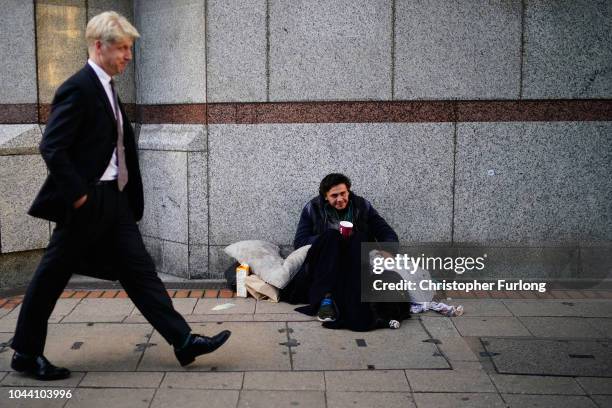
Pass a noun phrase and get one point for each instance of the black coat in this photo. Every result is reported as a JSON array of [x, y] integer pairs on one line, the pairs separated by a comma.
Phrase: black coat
[[77, 146], [313, 222]]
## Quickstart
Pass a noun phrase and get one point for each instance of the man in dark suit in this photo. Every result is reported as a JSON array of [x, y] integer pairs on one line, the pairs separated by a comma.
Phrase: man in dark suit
[[94, 194]]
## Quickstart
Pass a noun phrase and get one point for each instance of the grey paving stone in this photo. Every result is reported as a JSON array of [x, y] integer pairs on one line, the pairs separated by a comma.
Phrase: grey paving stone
[[531, 384], [562, 327], [283, 317], [62, 308], [254, 346], [595, 386], [458, 400], [370, 380], [15, 379], [602, 400], [121, 380], [277, 161], [476, 56], [202, 318], [490, 326], [456, 349], [18, 52], [195, 398], [212, 381], [100, 310], [184, 306], [541, 169], [550, 357], [547, 401], [111, 397], [323, 349], [236, 63], [449, 381], [369, 399], [61, 45], [20, 179], [99, 347], [240, 306], [439, 327], [337, 50], [482, 307], [566, 52], [185, 72], [297, 380], [5, 395], [560, 308], [264, 399], [264, 306]]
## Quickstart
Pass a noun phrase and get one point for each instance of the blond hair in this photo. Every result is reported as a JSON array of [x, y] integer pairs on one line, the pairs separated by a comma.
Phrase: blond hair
[[109, 27]]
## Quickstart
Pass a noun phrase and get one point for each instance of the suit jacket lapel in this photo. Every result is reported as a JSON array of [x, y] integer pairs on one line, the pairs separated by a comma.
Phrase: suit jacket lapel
[[101, 92]]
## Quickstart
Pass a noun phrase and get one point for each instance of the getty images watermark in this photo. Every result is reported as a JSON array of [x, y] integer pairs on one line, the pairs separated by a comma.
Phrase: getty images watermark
[[388, 275]]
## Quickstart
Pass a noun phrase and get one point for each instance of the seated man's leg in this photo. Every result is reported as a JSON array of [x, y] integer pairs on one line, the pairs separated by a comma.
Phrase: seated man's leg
[[323, 263]]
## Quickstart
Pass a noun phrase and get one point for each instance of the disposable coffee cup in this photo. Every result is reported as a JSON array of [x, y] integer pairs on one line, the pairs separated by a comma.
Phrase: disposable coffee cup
[[346, 228]]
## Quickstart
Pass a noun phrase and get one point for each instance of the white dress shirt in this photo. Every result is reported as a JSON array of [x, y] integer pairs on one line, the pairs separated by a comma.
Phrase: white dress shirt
[[112, 169]]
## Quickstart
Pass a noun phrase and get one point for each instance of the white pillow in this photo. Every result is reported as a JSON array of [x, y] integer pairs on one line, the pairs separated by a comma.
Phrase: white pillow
[[265, 260]]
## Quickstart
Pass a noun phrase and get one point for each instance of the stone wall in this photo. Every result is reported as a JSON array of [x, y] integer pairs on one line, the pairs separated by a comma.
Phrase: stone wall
[[472, 125]]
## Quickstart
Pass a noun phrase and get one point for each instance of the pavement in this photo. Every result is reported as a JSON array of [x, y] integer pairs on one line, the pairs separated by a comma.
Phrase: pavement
[[502, 352]]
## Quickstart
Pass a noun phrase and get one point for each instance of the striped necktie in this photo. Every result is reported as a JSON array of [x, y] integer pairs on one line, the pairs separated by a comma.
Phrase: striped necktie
[[122, 177]]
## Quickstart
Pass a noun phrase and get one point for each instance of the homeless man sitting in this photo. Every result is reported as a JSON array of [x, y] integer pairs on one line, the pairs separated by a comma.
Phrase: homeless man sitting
[[329, 280]]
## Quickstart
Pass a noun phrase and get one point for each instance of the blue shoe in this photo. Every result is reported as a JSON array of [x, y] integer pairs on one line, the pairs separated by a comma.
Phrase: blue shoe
[[327, 311]]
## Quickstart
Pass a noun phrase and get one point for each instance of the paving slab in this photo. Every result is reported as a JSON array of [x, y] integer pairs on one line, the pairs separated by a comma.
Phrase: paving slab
[[550, 357], [283, 317], [490, 326], [195, 398], [96, 347], [111, 397], [239, 306], [296, 380], [264, 306], [266, 399], [121, 380], [100, 310], [369, 399], [5, 394], [210, 381], [62, 308], [456, 349], [6, 352], [596, 386], [560, 308], [603, 325], [576, 327], [183, 306], [323, 349], [531, 384], [14, 379], [449, 381], [458, 400], [481, 307], [253, 346], [547, 401], [371, 380], [602, 401], [439, 327]]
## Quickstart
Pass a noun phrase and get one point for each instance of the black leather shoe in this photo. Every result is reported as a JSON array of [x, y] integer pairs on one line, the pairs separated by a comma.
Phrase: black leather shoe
[[38, 367], [199, 345]]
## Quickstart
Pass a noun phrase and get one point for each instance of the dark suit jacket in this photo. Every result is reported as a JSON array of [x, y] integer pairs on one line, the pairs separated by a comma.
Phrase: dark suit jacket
[[77, 146]]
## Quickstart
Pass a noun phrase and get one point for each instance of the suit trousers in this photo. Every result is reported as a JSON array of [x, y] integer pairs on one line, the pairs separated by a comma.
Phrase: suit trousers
[[103, 225]]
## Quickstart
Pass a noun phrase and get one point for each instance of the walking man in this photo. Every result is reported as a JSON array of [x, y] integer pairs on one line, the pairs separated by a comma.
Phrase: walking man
[[94, 195]]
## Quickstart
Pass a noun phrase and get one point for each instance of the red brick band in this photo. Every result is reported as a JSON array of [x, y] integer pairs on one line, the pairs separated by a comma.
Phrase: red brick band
[[344, 112]]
